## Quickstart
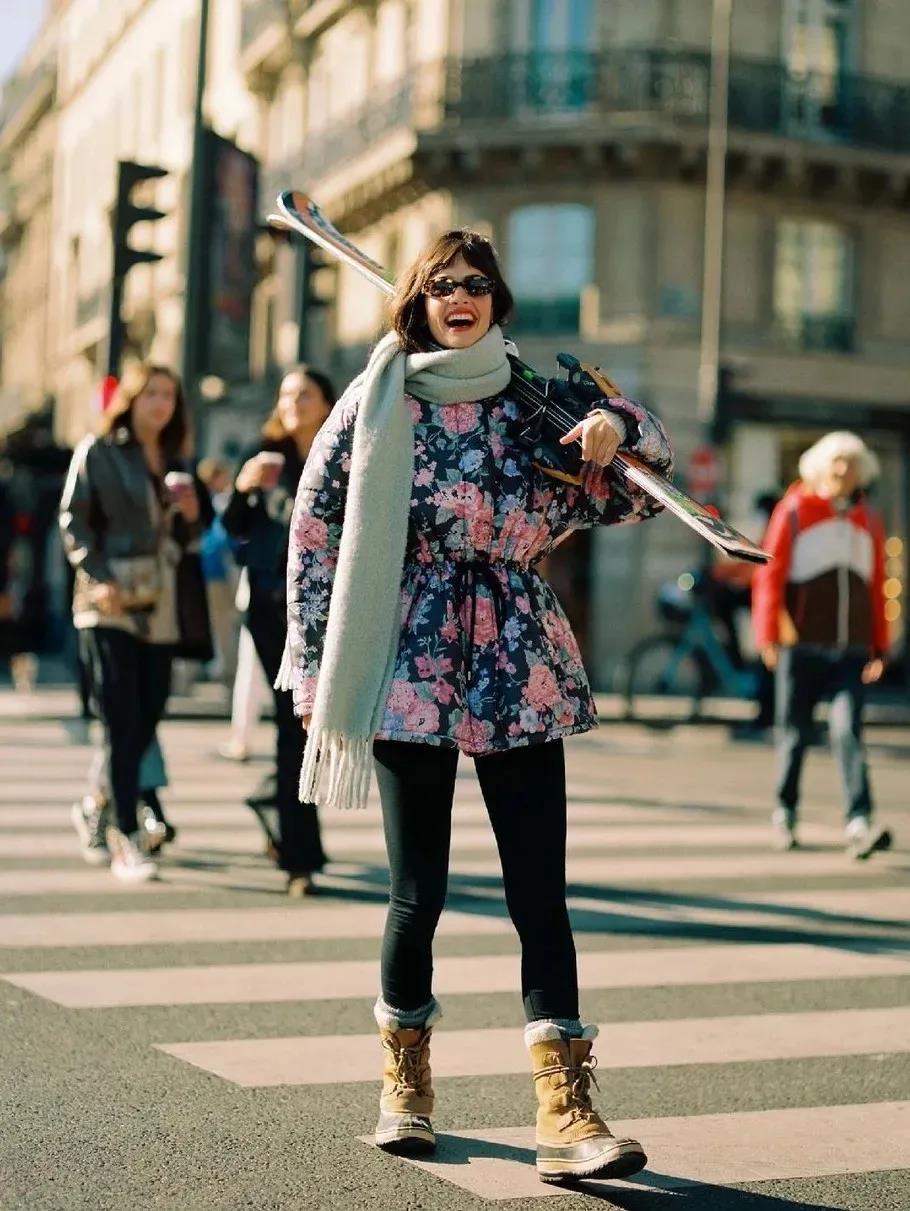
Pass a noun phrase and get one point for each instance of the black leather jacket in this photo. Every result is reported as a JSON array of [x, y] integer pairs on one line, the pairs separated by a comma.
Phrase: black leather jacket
[[260, 521], [108, 507]]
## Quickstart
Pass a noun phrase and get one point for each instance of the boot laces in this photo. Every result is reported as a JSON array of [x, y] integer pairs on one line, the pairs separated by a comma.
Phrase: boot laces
[[409, 1068], [577, 1084]]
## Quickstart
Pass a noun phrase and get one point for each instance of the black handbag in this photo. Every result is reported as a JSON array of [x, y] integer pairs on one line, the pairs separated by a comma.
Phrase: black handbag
[[193, 625]]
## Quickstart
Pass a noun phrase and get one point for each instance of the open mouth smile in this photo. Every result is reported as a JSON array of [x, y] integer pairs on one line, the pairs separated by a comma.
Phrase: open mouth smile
[[461, 320]]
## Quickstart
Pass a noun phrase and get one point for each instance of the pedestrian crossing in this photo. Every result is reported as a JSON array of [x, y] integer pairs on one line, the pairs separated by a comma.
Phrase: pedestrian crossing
[[701, 951]]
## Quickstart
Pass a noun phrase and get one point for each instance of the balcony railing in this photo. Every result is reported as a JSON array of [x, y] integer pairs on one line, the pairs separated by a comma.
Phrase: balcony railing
[[258, 15], [556, 317], [622, 88]]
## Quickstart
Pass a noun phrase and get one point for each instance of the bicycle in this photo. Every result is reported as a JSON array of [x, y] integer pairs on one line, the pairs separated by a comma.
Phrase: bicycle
[[688, 661]]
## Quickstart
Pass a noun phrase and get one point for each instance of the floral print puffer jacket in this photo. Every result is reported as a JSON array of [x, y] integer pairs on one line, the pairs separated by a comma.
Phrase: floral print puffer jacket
[[487, 659]]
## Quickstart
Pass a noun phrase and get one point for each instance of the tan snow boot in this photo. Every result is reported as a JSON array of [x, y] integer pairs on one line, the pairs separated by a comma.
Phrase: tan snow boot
[[573, 1141], [406, 1102]]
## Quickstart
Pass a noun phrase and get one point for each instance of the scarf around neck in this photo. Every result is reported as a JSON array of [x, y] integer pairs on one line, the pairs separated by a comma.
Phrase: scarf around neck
[[364, 623]]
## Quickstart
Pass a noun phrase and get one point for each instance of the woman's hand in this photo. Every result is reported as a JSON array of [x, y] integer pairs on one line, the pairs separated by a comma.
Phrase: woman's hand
[[873, 671], [599, 439], [250, 477], [188, 504], [770, 656], [107, 599]]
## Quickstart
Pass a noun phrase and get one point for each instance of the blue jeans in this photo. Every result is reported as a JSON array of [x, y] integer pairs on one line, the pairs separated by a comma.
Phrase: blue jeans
[[805, 677]]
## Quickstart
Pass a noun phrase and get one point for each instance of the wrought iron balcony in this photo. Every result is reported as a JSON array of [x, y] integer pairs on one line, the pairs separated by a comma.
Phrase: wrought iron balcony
[[607, 91]]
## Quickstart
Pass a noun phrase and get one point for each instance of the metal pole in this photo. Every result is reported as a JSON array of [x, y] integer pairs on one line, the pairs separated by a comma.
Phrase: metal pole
[[194, 254], [715, 190], [115, 327]]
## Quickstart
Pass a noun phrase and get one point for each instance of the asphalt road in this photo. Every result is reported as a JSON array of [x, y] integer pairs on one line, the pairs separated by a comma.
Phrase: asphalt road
[[206, 1044]]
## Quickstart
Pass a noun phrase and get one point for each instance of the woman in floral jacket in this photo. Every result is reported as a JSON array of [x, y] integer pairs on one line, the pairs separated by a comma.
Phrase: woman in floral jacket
[[419, 481]]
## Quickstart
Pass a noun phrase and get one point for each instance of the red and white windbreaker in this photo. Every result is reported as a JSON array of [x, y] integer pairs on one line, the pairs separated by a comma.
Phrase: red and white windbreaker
[[825, 584]]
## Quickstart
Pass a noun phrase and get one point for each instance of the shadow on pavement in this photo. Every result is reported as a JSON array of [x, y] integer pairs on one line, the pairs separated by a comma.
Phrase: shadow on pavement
[[665, 1191]]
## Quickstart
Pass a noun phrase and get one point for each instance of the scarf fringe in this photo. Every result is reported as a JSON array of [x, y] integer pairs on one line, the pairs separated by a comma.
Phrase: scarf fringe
[[336, 770], [285, 678]]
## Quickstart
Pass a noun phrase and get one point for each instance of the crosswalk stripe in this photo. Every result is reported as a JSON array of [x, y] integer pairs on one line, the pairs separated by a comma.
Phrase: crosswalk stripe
[[16, 818], [481, 974], [686, 1152], [219, 925], [608, 837], [862, 908], [604, 871], [329, 1060]]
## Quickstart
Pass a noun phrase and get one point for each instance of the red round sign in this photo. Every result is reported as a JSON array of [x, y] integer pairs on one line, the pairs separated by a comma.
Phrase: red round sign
[[703, 472]]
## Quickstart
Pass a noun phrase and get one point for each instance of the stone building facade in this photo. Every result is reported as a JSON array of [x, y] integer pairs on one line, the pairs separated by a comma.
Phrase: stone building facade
[[575, 133], [126, 90], [27, 138]]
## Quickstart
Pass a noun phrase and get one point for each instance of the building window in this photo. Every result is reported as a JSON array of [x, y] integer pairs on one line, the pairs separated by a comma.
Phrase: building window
[[550, 261], [817, 50], [560, 65], [813, 285]]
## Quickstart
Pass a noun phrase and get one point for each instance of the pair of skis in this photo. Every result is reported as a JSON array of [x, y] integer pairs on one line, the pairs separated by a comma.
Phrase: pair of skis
[[300, 214]]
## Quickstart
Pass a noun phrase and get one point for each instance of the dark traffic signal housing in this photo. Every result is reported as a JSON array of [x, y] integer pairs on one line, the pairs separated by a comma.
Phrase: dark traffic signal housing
[[126, 215]]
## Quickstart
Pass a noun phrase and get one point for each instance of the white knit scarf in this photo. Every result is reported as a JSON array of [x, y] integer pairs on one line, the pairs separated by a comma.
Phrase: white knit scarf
[[364, 624]]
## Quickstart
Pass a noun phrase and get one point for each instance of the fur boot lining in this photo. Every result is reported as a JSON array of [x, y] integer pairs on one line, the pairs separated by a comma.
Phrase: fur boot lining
[[542, 1032], [387, 1017]]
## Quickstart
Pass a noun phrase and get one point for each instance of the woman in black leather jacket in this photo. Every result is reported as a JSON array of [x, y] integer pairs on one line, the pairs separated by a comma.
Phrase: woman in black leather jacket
[[259, 515], [130, 513]]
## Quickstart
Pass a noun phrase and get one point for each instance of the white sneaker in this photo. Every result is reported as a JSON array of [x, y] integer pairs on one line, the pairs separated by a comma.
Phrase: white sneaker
[[783, 831], [233, 750], [130, 861], [864, 838], [89, 817]]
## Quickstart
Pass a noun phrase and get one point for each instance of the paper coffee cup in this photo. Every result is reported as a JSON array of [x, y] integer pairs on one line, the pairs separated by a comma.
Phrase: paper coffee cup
[[178, 482], [272, 463]]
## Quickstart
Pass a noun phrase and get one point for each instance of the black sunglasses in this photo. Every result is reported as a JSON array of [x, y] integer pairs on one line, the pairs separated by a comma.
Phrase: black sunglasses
[[476, 284]]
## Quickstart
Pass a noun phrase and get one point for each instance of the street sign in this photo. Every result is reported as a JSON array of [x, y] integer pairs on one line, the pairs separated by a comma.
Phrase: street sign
[[703, 472]]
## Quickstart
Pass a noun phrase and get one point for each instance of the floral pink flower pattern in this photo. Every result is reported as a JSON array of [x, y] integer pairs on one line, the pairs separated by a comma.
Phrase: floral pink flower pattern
[[482, 516]]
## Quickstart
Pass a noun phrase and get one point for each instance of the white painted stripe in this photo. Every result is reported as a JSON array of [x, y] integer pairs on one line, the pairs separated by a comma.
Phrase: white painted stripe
[[16, 818], [873, 908], [620, 870], [609, 871], [705, 1149], [330, 1060], [254, 983], [346, 840], [219, 925]]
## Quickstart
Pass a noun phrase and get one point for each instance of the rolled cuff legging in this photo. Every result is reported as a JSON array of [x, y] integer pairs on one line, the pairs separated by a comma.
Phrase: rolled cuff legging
[[130, 681], [805, 677], [525, 796]]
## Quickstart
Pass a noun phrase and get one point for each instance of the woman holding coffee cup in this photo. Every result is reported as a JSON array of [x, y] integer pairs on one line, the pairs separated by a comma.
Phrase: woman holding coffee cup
[[129, 513], [259, 515]]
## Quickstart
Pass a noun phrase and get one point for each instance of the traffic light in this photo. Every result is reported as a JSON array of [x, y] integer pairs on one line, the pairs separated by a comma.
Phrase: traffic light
[[126, 215], [311, 262]]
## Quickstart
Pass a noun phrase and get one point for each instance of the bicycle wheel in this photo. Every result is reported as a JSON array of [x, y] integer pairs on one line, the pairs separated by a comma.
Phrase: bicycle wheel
[[656, 674]]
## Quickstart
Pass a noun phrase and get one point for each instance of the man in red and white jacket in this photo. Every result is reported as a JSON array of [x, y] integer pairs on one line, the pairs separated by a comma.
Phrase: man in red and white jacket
[[818, 610]]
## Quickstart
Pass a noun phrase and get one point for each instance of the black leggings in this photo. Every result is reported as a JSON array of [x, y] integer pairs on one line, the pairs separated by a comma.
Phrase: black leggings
[[524, 790], [130, 681]]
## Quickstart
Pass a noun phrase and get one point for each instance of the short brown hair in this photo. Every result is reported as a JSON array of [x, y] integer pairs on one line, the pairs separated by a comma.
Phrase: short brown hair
[[408, 309], [175, 438], [273, 430]]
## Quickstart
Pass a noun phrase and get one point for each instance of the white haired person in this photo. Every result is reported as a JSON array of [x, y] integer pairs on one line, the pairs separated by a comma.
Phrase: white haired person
[[819, 616]]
